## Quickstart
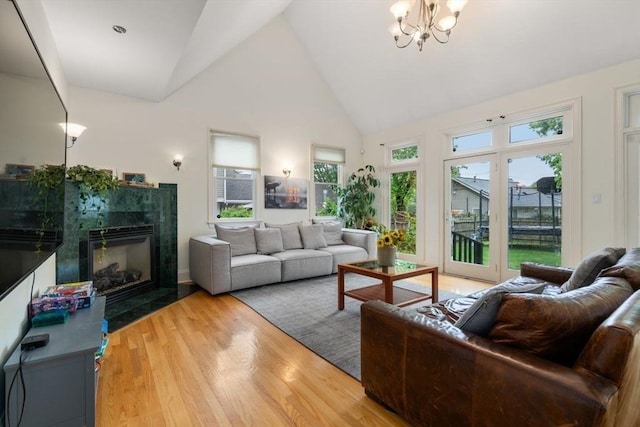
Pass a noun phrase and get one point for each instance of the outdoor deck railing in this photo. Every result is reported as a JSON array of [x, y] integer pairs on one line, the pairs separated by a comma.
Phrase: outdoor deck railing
[[466, 249]]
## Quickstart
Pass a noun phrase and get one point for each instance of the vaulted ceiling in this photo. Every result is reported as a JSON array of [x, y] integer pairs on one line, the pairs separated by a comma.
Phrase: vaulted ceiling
[[499, 47]]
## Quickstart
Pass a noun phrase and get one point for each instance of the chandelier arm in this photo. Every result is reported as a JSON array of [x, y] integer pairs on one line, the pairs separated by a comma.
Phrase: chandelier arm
[[405, 45], [443, 41], [413, 29]]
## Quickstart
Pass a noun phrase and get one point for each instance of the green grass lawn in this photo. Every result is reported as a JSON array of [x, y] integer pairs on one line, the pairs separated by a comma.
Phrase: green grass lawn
[[518, 255]]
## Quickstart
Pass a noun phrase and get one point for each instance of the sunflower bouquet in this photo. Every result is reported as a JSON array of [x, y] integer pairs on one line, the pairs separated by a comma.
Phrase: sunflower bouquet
[[390, 238]]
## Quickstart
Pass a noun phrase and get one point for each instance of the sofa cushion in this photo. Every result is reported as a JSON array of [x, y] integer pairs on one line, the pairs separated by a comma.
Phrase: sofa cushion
[[333, 233], [627, 267], [591, 266], [268, 240], [241, 239], [312, 236], [290, 235], [302, 263], [557, 327], [479, 317]]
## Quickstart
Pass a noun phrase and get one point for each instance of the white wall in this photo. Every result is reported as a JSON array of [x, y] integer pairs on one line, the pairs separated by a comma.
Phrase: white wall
[[13, 310], [33, 13], [596, 91], [268, 86]]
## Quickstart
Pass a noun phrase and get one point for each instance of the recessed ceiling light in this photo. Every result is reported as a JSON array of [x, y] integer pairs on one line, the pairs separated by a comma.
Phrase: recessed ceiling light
[[118, 29]]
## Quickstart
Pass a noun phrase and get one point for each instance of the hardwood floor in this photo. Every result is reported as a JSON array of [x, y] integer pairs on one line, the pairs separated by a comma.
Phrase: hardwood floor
[[210, 360]]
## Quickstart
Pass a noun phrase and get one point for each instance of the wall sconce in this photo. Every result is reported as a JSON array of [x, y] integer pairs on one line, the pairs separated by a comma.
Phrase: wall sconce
[[177, 160], [286, 172], [73, 130]]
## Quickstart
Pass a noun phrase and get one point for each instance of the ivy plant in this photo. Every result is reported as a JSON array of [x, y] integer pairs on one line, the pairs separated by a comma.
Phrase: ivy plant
[[94, 186], [49, 183]]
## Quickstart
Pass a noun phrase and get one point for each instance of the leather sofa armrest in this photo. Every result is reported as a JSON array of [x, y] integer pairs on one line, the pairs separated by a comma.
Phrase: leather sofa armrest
[[548, 273], [429, 371], [210, 264], [366, 239]]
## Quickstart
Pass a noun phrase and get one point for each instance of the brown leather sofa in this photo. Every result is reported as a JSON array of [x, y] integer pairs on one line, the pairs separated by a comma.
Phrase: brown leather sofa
[[567, 358]]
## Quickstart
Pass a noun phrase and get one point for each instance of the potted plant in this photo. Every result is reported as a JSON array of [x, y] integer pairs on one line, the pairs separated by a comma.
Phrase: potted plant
[[355, 199], [387, 243]]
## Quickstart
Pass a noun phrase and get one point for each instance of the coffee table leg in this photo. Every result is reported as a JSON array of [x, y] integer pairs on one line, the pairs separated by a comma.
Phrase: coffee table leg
[[340, 288], [388, 290], [434, 286]]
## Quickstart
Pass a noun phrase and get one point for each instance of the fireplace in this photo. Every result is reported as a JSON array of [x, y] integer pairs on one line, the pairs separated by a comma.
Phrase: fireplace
[[121, 261]]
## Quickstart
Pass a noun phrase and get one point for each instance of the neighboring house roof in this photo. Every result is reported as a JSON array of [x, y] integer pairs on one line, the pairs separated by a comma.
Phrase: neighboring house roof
[[525, 197]]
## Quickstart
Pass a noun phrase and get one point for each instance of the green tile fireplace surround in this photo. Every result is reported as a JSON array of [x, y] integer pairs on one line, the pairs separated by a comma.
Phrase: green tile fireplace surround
[[124, 206]]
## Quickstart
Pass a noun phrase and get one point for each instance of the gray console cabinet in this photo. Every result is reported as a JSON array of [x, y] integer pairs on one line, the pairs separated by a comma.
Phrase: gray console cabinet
[[60, 381]]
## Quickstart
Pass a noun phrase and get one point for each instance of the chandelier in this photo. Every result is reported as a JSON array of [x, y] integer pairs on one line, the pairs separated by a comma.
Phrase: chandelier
[[425, 23]]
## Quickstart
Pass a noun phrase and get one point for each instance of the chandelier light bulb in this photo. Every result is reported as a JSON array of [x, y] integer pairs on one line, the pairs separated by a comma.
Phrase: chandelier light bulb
[[456, 5], [394, 29], [401, 8], [447, 23]]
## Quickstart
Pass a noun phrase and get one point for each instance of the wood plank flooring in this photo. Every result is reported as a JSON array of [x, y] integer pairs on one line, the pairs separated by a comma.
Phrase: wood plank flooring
[[212, 361]]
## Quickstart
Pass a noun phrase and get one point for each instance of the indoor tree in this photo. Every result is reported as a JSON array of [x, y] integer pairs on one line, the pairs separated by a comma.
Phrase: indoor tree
[[355, 199]]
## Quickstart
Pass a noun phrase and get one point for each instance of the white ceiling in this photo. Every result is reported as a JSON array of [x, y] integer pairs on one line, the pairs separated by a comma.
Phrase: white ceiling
[[499, 47]]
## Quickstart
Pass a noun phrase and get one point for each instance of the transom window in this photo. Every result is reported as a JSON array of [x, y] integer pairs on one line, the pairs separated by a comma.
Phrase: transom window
[[471, 141], [537, 129]]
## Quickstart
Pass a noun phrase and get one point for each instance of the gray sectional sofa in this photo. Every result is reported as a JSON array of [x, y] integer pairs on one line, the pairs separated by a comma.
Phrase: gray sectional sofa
[[256, 254]]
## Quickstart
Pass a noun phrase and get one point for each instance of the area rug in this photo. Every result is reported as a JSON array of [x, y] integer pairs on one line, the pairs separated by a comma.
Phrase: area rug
[[307, 310]]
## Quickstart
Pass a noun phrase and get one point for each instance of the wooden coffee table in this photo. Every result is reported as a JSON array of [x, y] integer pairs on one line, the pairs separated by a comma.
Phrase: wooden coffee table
[[385, 291]]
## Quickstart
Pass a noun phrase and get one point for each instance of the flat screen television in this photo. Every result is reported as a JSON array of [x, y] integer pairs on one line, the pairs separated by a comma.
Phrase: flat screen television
[[31, 110]]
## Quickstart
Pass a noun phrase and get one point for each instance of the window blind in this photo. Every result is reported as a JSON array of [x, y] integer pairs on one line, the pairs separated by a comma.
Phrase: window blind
[[235, 151], [329, 155]]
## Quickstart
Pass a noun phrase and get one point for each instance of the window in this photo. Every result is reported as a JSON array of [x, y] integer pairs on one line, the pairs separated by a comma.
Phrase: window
[[235, 163], [404, 153], [327, 176], [470, 142], [537, 129]]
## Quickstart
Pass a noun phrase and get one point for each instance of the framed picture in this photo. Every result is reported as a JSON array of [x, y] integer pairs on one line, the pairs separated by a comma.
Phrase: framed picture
[[19, 170], [133, 177], [285, 193]]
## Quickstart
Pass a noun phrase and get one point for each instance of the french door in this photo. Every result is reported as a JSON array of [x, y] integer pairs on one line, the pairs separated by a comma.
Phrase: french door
[[471, 201], [502, 210], [632, 190]]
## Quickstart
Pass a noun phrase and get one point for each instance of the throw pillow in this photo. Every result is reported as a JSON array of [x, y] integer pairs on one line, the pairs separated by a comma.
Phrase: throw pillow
[[312, 236], [242, 239], [627, 267], [591, 266], [290, 235], [268, 240], [479, 318], [333, 233], [557, 327]]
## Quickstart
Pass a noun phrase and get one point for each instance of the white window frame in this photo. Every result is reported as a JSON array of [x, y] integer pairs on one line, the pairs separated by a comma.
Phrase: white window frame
[[570, 138], [625, 231], [391, 163], [212, 165], [318, 159], [500, 130]]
